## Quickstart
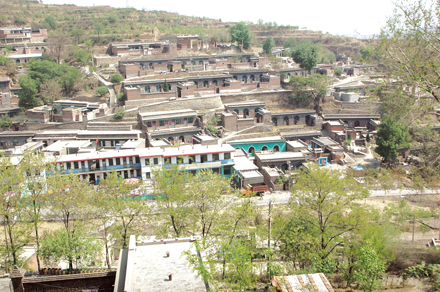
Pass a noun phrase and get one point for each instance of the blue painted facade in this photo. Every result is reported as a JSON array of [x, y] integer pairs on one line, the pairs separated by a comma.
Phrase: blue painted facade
[[259, 145]]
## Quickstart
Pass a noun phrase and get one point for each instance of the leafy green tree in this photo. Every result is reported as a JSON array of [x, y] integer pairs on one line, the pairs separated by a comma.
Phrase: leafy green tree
[[101, 90], [369, 268], [116, 78], [5, 121], [172, 199], [323, 200], [268, 44], [69, 202], [306, 54], [290, 43], [27, 93], [392, 138], [82, 56], [34, 168], [12, 214], [308, 91], [240, 33], [77, 248], [129, 213]]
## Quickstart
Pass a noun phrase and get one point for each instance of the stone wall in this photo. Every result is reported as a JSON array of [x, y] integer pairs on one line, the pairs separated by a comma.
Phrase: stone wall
[[201, 103], [61, 126], [142, 102], [274, 100]]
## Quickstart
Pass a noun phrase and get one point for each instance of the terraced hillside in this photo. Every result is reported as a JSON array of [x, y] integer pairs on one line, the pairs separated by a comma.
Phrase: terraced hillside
[[104, 24]]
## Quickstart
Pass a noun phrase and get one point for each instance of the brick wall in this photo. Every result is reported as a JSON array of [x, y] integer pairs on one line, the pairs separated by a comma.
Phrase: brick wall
[[96, 281]]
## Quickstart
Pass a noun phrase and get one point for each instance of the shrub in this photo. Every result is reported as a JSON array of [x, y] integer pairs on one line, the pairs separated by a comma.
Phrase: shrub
[[116, 78], [102, 90], [120, 113]]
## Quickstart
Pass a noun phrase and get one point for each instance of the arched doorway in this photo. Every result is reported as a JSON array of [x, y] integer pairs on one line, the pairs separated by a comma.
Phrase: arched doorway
[[196, 84], [308, 120], [215, 83], [205, 84], [286, 120], [181, 139], [252, 78], [158, 87], [251, 150], [264, 148], [236, 110], [245, 113], [296, 120], [235, 77], [276, 148], [200, 62], [244, 78], [275, 121], [357, 123]]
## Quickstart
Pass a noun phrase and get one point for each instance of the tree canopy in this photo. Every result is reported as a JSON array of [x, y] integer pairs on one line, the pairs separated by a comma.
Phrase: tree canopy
[[392, 138], [306, 55], [268, 44], [240, 33]]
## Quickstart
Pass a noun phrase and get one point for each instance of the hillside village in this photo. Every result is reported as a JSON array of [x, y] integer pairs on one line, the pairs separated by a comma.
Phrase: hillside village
[[165, 105]]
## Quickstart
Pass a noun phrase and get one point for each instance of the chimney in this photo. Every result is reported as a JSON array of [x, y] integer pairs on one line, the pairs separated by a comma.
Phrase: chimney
[[170, 277], [167, 254]]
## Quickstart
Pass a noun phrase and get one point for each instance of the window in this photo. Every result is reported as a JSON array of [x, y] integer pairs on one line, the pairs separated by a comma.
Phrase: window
[[227, 155], [191, 159], [75, 165], [156, 161], [161, 123], [69, 166], [110, 162], [137, 159], [215, 156], [148, 124], [190, 120], [2, 85], [147, 174], [216, 170], [177, 121], [118, 161], [167, 160], [147, 161], [227, 170]]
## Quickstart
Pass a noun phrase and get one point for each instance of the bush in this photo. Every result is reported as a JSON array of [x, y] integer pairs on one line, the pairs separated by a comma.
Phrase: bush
[[116, 78], [120, 113], [102, 90]]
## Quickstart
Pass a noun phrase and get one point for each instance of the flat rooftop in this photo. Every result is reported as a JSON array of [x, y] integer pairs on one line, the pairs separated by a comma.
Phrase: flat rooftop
[[148, 267], [251, 174], [242, 163], [280, 156], [167, 114]]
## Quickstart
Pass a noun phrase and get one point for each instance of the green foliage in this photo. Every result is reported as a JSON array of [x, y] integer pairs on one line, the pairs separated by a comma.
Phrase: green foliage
[[306, 54], [116, 78], [50, 22], [392, 138], [66, 76], [101, 90], [9, 48], [290, 43], [120, 113], [5, 60], [338, 71], [77, 249], [27, 93], [166, 87], [268, 44], [308, 91], [82, 56], [240, 33], [5, 121], [369, 268]]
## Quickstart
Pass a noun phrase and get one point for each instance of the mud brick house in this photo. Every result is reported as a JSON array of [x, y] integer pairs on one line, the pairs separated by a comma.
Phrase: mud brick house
[[142, 49], [352, 120], [307, 117], [10, 35]]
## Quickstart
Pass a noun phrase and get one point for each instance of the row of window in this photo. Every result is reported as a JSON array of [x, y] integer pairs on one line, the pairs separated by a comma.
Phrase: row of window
[[94, 164], [170, 122], [191, 159]]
